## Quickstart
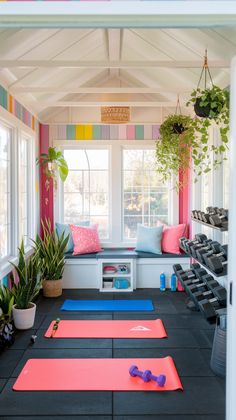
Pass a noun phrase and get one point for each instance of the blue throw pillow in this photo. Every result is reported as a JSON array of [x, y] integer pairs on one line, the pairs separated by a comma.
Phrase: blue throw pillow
[[61, 227], [149, 239]]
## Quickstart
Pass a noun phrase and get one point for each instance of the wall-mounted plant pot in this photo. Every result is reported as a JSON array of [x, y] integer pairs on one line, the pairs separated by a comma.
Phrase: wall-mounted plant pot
[[24, 318], [52, 288], [201, 111], [178, 128]]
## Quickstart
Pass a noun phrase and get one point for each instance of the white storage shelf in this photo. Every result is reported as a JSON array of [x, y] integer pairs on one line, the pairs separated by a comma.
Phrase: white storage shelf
[[108, 278]]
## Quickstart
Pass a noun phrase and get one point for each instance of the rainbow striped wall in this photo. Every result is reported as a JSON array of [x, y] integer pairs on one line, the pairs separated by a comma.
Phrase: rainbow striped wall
[[104, 132], [14, 107]]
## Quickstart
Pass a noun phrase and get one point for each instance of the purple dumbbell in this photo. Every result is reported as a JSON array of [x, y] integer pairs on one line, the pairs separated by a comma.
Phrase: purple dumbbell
[[133, 371], [147, 375], [160, 380]]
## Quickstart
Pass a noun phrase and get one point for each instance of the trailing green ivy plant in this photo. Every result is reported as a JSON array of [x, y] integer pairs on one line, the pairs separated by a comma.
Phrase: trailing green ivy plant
[[173, 148], [211, 107]]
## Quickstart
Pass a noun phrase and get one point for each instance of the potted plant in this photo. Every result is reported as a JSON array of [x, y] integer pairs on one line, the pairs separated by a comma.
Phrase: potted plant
[[51, 250], [174, 145], [211, 105], [54, 163], [24, 289], [7, 334]]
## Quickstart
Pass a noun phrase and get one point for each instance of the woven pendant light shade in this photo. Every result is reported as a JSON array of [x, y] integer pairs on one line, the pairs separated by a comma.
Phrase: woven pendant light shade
[[115, 114]]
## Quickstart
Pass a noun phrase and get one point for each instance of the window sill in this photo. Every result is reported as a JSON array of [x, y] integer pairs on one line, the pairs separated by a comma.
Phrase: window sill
[[6, 266]]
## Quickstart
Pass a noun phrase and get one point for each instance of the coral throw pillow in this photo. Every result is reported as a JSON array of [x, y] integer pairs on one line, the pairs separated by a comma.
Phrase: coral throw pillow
[[86, 239], [171, 236]]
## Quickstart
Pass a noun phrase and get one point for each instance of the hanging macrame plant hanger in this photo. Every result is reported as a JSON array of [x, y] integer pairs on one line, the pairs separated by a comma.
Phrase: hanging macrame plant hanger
[[178, 128], [201, 110]]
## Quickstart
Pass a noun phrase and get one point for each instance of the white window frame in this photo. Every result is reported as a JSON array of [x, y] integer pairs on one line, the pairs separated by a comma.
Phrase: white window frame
[[31, 208], [19, 129], [115, 186]]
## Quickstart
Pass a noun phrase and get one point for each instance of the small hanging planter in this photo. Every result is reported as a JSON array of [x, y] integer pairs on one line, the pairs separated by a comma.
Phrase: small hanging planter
[[174, 146], [178, 128], [201, 110], [211, 106]]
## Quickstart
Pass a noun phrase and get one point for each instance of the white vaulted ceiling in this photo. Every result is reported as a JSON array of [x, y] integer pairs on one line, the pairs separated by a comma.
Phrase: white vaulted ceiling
[[52, 70]]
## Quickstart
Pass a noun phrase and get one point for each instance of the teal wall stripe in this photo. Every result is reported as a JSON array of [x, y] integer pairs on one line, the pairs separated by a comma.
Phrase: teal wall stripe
[[139, 132], [3, 97], [97, 132], [70, 132]]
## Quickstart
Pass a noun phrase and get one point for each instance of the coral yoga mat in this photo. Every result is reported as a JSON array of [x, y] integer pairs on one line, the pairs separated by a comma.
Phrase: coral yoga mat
[[107, 329], [94, 375]]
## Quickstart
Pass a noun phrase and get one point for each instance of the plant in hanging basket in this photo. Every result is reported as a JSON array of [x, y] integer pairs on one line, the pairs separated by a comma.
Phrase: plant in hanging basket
[[212, 103], [54, 163], [211, 107], [174, 146]]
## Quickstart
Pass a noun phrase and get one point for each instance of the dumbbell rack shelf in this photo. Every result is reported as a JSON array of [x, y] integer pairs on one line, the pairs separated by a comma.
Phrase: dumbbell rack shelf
[[221, 229], [222, 274]]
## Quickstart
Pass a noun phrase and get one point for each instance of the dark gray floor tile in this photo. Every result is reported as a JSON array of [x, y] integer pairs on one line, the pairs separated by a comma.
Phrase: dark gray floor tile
[[55, 403], [61, 354], [39, 318], [23, 339], [2, 384], [171, 417], [8, 361], [70, 343], [204, 337], [199, 397], [176, 338], [189, 362], [70, 417]]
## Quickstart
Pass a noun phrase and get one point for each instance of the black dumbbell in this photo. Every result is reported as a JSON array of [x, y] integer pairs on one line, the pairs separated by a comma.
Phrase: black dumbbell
[[216, 249], [177, 267], [194, 214], [217, 261], [195, 266], [187, 275], [200, 295], [220, 219], [206, 248], [182, 242], [209, 308], [210, 211], [200, 272], [197, 287]]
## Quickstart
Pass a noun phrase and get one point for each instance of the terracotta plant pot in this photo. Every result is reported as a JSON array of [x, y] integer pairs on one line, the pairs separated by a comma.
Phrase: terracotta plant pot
[[52, 288], [24, 318]]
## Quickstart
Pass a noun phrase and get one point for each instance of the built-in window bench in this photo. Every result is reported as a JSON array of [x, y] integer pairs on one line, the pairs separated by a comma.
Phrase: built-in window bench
[[85, 271]]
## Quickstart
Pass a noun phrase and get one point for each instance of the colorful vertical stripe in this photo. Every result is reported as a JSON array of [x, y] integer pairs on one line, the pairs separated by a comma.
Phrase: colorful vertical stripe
[[14, 107], [104, 132]]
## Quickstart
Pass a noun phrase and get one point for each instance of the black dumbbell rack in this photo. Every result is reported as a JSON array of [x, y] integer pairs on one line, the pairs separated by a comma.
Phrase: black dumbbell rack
[[221, 229], [223, 273]]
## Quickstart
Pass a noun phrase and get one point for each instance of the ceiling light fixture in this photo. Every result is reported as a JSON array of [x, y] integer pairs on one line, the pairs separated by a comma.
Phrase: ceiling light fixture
[[115, 114]]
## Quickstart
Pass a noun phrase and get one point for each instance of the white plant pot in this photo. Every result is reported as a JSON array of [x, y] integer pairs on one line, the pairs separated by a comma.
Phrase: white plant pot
[[24, 318]]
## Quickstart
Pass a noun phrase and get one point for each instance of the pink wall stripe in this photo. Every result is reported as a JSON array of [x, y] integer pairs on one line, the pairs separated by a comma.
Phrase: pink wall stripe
[[130, 132], [46, 194], [122, 132], [155, 132]]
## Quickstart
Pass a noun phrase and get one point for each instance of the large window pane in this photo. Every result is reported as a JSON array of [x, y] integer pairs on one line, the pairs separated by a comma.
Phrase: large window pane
[[24, 191], [145, 198], [86, 189], [5, 191]]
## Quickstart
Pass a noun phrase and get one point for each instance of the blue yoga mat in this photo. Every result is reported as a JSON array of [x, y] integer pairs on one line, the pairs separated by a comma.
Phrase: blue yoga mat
[[107, 305]]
